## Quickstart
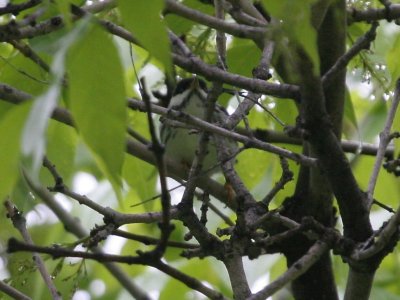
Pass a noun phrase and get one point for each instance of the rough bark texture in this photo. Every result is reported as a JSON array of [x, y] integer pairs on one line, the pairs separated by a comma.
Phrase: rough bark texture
[[313, 195]]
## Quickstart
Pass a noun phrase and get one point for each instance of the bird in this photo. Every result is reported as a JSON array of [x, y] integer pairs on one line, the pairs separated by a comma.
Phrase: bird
[[190, 97]]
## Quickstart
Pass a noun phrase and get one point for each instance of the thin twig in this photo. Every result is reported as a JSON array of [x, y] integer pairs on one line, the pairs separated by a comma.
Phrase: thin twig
[[196, 65], [57, 252], [226, 219], [147, 240], [214, 129], [158, 150], [23, 72], [137, 136], [384, 140], [73, 226], [362, 43], [189, 281], [286, 176], [214, 22], [11, 8], [382, 239], [28, 52], [12, 292], [19, 223], [114, 216], [295, 270], [374, 14], [259, 72]]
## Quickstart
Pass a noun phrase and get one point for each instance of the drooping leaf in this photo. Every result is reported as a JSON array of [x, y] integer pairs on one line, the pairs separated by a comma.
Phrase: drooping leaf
[[392, 58], [33, 140], [143, 19], [11, 126], [97, 99], [373, 121], [349, 112], [297, 26]]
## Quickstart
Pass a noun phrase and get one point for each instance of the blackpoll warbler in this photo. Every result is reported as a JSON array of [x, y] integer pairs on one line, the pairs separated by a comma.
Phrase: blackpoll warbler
[[190, 96]]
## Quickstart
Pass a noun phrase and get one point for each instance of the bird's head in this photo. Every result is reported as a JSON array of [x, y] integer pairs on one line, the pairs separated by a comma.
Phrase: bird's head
[[187, 89]]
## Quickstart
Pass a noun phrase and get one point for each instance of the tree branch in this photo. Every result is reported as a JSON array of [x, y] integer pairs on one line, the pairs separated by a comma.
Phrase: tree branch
[[17, 8], [243, 31], [71, 225], [362, 43], [384, 140], [57, 252], [373, 14], [297, 269], [19, 223], [12, 292]]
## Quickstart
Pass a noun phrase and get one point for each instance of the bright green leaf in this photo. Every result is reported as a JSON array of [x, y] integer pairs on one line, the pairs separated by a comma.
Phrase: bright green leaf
[[23, 74], [63, 7], [145, 184], [61, 148], [297, 26], [97, 99], [396, 128], [392, 58], [11, 126], [242, 56], [33, 140], [373, 121], [349, 111], [143, 19]]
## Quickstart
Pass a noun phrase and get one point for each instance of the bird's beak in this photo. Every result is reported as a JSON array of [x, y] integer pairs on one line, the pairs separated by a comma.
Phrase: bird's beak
[[195, 84]]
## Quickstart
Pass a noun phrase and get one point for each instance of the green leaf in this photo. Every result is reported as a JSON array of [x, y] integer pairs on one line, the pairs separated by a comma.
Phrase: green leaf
[[252, 165], [145, 184], [143, 19], [242, 56], [61, 148], [22, 74], [33, 140], [392, 58], [349, 111], [373, 121], [297, 25], [11, 126], [63, 6], [97, 100], [396, 128]]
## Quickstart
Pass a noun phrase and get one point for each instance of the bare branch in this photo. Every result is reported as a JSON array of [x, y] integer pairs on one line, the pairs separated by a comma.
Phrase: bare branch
[[196, 65], [383, 238], [17, 8], [286, 176], [391, 12], [384, 140], [158, 150], [200, 124], [19, 223], [71, 225], [214, 22], [27, 51], [298, 268], [362, 43], [12, 292], [57, 252], [237, 276]]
